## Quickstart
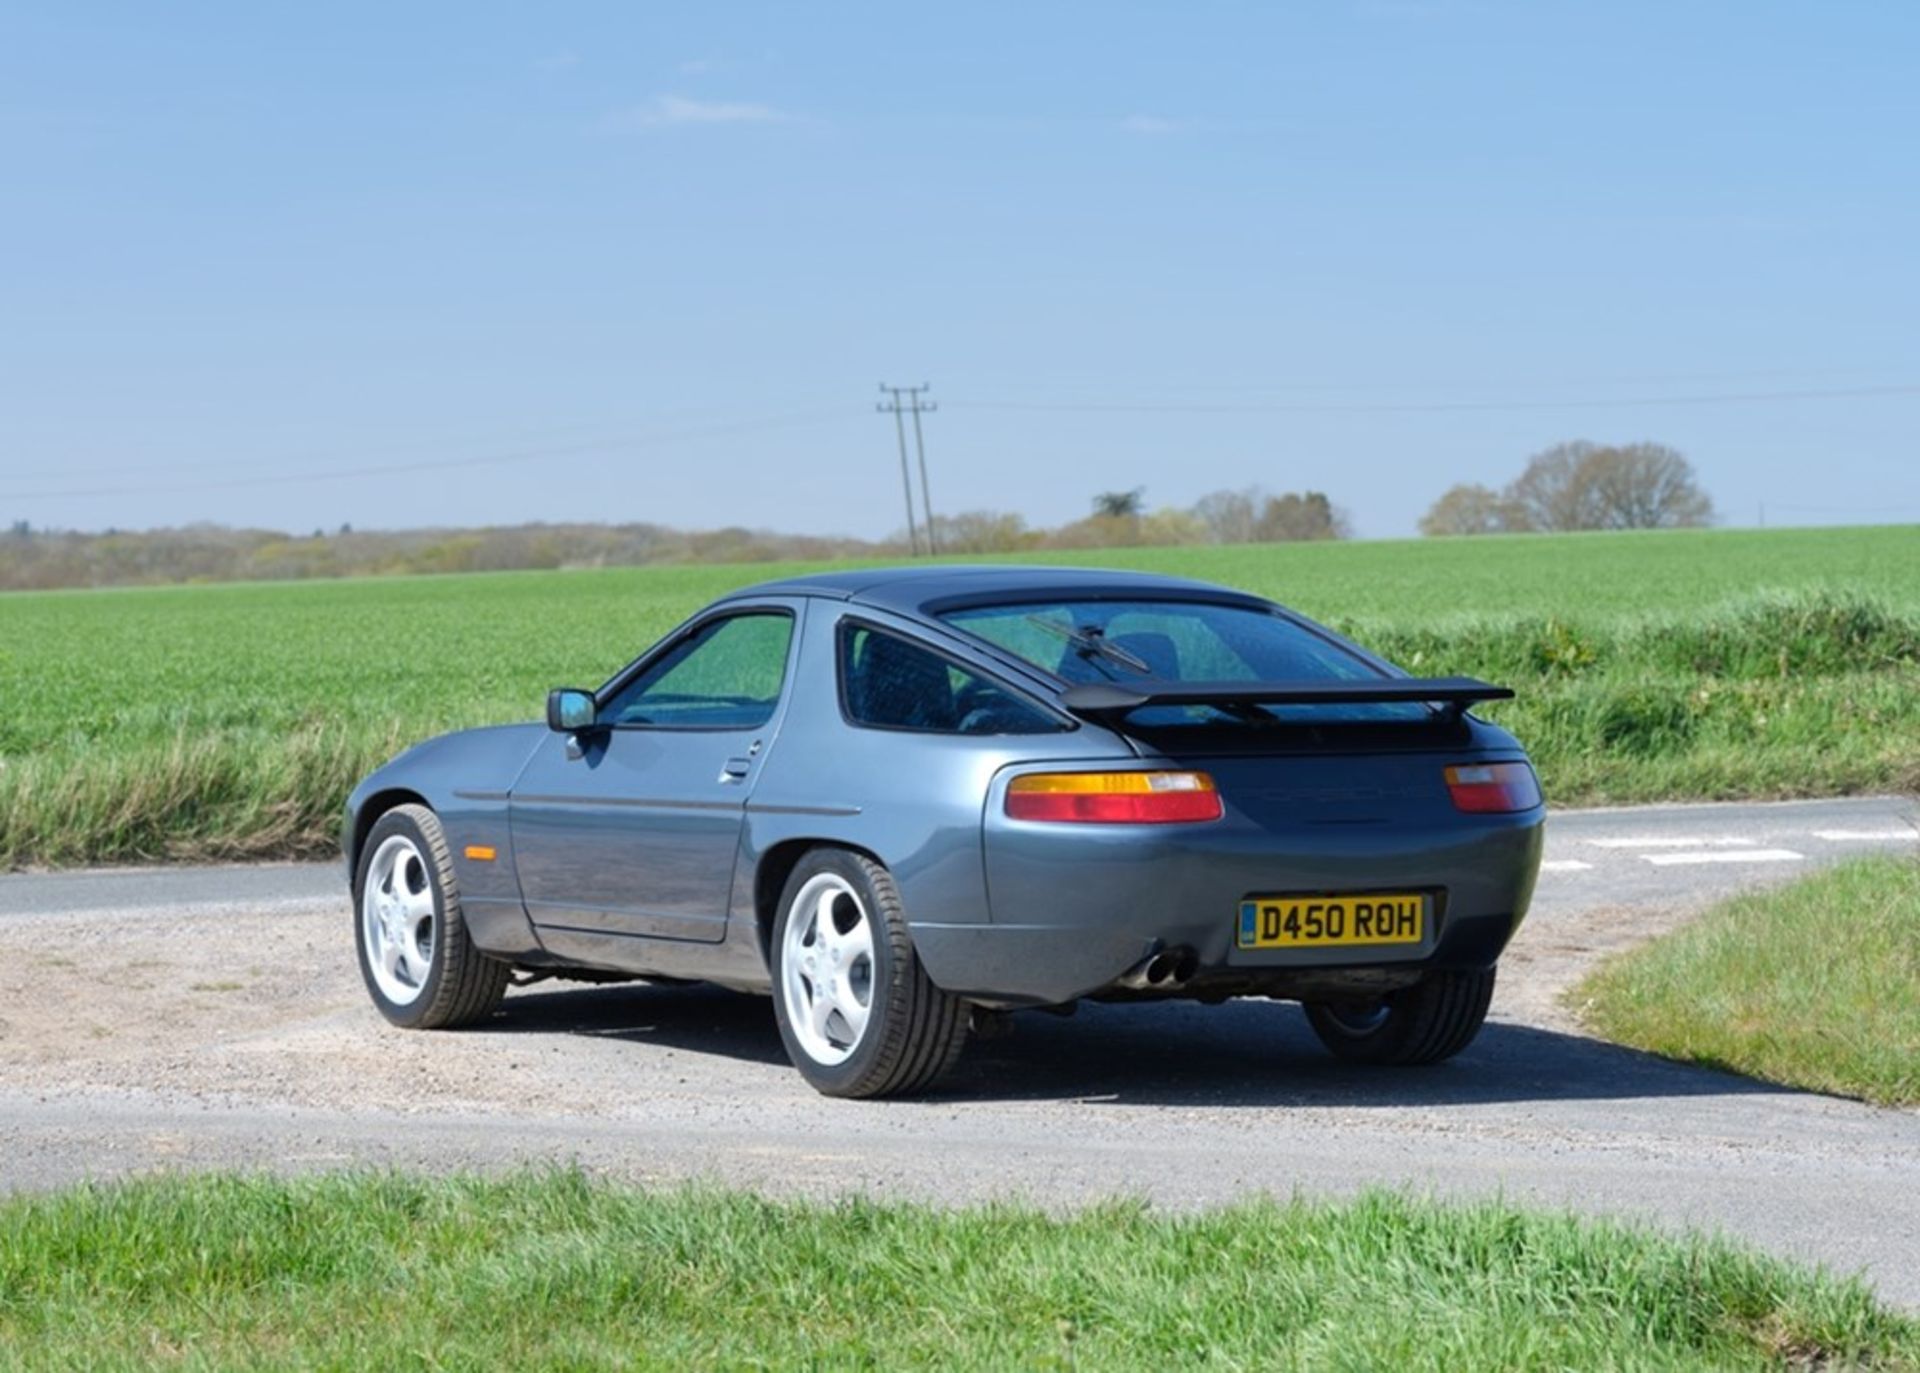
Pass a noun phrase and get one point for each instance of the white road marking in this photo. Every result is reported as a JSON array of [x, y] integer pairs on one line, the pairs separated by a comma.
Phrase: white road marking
[[1725, 856], [1667, 841], [1566, 865], [1867, 836]]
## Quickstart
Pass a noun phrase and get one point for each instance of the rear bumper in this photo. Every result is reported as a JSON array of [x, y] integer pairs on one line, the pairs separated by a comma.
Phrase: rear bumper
[[1076, 908]]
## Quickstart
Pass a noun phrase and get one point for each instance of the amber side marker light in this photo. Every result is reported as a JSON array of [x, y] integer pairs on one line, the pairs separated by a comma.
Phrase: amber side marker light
[[480, 853], [1114, 798], [1493, 788]]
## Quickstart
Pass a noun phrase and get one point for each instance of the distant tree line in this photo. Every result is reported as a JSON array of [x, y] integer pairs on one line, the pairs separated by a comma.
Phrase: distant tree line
[[1121, 519], [1579, 485], [38, 559], [1571, 486]]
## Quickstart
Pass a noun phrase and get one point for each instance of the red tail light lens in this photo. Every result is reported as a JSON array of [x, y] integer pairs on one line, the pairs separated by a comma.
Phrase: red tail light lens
[[1493, 788], [1114, 798]]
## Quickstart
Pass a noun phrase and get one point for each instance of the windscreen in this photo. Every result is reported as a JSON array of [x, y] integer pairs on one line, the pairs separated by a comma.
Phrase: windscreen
[[1179, 641]]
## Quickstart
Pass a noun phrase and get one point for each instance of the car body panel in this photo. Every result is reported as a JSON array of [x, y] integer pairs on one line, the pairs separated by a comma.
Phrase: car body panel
[[913, 800], [1090, 901], [630, 833], [634, 830], [642, 860], [464, 778]]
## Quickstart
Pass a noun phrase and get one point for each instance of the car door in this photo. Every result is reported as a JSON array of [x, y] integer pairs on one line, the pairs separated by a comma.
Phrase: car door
[[632, 828]]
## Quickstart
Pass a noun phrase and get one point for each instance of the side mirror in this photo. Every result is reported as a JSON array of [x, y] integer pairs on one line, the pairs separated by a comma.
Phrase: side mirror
[[570, 710]]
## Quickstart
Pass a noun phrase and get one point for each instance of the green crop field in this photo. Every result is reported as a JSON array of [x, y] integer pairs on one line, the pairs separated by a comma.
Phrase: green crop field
[[230, 721]]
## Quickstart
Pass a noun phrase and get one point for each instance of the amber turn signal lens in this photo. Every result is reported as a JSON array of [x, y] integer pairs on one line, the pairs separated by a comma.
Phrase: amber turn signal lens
[[1493, 788], [481, 853], [1114, 798]]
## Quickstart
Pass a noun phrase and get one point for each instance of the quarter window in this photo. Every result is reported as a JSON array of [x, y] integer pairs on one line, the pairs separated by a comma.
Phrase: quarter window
[[888, 682], [725, 675]]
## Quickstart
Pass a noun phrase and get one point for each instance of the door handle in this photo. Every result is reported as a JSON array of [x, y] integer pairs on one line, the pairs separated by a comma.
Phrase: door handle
[[735, 769]]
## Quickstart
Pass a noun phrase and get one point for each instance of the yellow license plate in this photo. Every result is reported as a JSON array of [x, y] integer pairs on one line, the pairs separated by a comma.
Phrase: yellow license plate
[[1322, 922]]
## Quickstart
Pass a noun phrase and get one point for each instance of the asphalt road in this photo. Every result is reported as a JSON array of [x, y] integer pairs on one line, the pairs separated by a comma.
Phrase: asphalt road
[[114, 1060]]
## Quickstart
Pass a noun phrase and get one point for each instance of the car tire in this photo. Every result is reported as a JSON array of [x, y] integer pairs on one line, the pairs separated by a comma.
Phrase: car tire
[[1433, 1019], [857, 1013], [419, 962]]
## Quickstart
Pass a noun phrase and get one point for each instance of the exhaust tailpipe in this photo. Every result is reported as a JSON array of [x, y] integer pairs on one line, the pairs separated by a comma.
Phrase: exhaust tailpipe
[[1163, 971]]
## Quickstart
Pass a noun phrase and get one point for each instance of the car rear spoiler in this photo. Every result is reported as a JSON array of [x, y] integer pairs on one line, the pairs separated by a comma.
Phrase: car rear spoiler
[[1094, 700]]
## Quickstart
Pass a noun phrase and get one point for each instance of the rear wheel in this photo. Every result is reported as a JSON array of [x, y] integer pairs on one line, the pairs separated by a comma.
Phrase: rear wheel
[[420, 965], [1434, 1019], [856, 1011]]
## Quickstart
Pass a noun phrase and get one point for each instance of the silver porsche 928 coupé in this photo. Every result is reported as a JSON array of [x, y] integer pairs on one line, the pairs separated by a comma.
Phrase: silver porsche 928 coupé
[[903, 800]]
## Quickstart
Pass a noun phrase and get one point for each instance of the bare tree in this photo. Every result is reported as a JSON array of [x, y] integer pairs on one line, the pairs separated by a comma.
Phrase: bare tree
[[1251, 515], [1552, 493], [1120, 505], [1643, 486], [1295, 516], [1231, 516], [1583, 485], [1471, 508]]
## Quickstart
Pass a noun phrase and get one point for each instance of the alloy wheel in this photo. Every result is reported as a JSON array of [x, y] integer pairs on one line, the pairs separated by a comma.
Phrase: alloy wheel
[[826, 964], [398, 920]]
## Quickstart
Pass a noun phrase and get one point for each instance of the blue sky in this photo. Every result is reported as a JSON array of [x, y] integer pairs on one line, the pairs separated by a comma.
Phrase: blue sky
[[442, 264]]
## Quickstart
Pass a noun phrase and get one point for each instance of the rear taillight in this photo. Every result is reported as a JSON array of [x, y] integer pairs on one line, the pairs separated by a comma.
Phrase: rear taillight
[[1114, 798], [1493, 788]]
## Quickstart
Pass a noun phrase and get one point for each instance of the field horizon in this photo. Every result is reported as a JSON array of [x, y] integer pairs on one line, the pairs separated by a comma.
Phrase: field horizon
[[1816, 552]]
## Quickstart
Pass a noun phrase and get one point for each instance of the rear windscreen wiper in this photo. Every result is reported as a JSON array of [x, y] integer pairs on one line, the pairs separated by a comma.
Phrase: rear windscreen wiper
[[1091, 643]]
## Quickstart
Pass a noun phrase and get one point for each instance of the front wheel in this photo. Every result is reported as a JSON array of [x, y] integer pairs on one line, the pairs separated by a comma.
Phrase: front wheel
[[1433, 1019], [856, 1011], [420, 964]]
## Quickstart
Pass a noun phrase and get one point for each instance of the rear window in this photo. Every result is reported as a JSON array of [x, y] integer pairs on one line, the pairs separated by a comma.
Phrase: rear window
[[1178, 641]]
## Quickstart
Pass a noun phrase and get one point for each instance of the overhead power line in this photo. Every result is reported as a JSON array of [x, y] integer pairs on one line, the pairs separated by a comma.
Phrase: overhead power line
[[1908, 509], [657, 439], [1430, 407], [542, 437], [1777, 376]]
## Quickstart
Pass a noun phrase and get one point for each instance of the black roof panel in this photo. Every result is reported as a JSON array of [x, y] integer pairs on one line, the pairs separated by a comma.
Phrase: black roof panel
[[910, 590]]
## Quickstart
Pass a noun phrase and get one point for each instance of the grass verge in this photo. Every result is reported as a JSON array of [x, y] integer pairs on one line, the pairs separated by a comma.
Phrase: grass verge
[[1813, 985], [550, 1270]]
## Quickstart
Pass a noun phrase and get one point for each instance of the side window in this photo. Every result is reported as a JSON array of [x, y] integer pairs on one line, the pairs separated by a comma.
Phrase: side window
[[726, 676], [888, 682]]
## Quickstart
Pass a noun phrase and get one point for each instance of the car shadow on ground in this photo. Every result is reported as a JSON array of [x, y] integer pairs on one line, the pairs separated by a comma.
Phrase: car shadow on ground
[[1260, 1053], [694, 1017], [1242, 1053]]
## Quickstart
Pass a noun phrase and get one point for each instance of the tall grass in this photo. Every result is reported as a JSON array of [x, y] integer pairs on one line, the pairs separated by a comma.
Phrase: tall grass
[[230, 721], [1775, 694], [1813, 985], [551, 1271]]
